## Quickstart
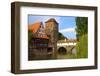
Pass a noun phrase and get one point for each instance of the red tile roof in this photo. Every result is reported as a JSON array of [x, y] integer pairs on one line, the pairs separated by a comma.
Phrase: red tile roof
[[34, 28]]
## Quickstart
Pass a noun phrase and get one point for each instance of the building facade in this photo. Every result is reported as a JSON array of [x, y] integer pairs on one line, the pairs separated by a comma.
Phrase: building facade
[[38, 45], [43, 44]]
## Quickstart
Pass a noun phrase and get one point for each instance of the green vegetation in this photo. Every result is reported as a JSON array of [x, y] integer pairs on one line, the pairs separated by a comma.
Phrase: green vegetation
[[29, 35], [82, 26], [82, 47], [82, 37], [61, 36]]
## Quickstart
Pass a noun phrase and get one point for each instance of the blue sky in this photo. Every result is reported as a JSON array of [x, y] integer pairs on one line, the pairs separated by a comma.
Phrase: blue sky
[[67, 24]]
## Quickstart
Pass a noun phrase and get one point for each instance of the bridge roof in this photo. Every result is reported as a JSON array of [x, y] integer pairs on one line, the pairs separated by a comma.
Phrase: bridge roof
[[67, 41]]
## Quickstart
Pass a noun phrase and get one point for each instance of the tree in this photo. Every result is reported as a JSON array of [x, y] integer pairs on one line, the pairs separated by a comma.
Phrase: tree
[[30, 35], [82, 26], [61, 36], [82, 37], [82, 47]]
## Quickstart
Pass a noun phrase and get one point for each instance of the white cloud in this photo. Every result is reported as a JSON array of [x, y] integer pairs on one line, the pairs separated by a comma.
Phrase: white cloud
[[68, 30]]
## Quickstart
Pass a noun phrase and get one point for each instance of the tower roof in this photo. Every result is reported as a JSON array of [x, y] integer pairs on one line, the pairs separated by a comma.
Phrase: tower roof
[[51, 20]]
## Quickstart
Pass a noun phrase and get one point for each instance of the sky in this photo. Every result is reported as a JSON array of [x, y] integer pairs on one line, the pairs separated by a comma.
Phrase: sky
[[67, 24]]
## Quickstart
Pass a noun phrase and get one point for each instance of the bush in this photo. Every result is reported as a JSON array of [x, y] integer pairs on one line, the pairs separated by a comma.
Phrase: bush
[[82, 47], [30, 35]]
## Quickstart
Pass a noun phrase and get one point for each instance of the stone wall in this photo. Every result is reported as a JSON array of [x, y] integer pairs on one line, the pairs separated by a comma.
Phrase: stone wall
[[51, 29]]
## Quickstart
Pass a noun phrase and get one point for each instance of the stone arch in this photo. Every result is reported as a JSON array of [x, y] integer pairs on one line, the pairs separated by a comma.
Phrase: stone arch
[[62, 50], [73, 51]]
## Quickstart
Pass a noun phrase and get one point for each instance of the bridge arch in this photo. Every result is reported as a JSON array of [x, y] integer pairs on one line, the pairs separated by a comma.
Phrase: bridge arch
[[73, 51], [62, 50]]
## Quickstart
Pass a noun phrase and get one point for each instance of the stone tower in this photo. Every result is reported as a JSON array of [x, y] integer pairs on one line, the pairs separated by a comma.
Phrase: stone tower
[[51, 29]]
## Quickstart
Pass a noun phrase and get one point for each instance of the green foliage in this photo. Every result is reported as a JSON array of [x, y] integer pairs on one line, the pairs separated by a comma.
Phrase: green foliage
[[29, 35], [61, 36], [82, 47], [82, 26], [82, 36]]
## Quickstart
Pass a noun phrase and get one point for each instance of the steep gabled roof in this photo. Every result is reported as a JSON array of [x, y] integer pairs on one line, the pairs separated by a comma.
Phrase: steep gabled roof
[[35, 27]]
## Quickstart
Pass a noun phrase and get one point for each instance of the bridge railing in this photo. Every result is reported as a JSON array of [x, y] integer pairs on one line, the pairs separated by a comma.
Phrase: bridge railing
[[66, 44]]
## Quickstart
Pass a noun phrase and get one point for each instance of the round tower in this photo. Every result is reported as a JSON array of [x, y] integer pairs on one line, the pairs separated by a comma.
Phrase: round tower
[[51, 29]]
